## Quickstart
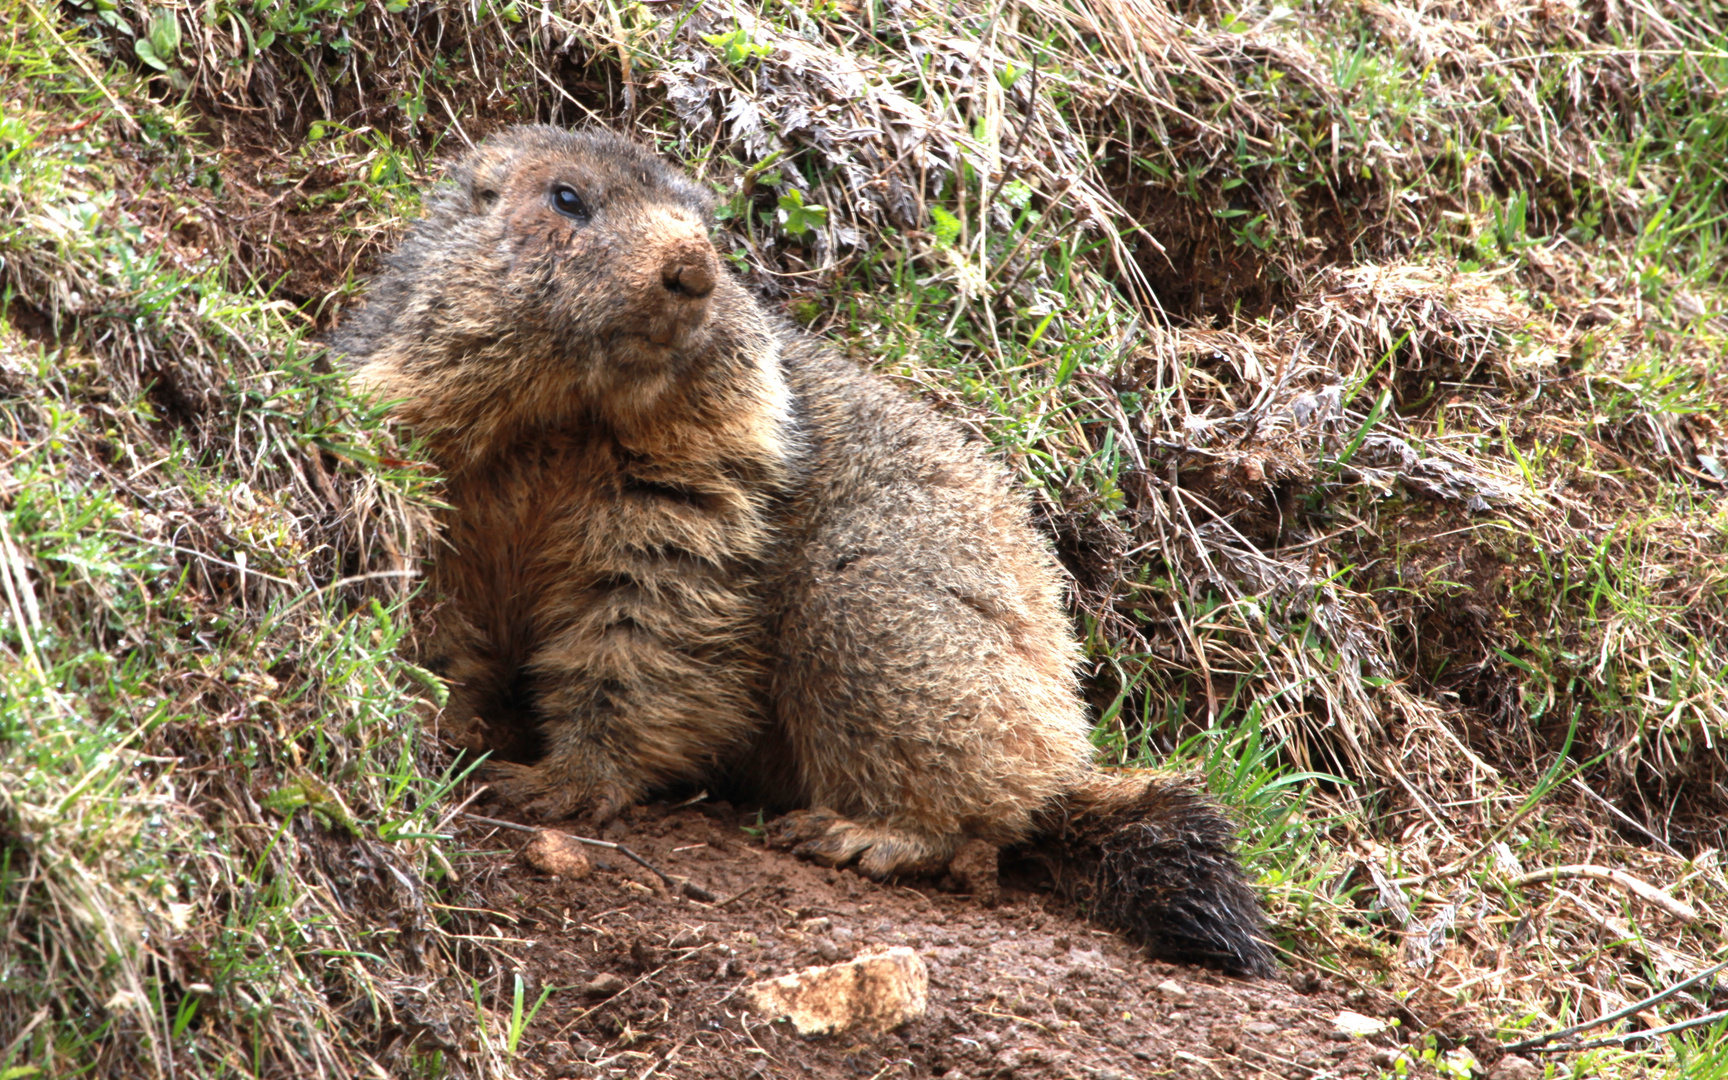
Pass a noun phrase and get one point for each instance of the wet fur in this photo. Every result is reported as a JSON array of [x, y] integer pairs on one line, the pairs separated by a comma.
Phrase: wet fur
[[690, 545]]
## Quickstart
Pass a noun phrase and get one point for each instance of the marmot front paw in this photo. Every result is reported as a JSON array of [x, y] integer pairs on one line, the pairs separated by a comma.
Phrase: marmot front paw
[[545, 792]]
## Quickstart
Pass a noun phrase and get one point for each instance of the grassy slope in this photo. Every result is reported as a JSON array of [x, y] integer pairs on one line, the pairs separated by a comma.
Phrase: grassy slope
[[1363, 362]]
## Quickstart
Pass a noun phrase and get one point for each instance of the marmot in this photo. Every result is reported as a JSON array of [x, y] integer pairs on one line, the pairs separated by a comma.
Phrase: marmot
[[689, 544]]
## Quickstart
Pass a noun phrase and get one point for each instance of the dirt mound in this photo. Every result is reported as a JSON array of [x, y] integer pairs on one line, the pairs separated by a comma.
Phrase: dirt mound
[[644, 981]]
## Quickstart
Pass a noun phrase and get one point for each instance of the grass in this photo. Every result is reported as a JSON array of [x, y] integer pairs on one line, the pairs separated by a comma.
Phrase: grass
[[1364, 365], [202, 635]]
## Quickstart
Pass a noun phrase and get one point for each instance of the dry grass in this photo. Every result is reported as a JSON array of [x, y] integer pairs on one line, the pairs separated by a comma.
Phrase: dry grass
[[1363, 360]]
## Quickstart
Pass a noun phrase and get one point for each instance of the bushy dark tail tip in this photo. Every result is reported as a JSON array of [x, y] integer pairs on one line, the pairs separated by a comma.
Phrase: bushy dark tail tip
[[1162, 868]]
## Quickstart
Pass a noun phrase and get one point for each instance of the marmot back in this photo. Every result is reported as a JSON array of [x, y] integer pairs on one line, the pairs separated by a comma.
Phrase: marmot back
[[689, 545]]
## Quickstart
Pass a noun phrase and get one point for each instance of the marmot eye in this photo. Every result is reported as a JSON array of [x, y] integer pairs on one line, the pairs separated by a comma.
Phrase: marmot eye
[[567, 202]]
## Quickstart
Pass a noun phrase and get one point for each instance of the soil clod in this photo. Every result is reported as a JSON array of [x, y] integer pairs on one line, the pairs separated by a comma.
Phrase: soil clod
[[878, 993], [557, 854]]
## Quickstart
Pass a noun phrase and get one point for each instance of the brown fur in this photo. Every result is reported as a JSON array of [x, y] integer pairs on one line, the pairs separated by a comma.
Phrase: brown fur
[[688, 544]]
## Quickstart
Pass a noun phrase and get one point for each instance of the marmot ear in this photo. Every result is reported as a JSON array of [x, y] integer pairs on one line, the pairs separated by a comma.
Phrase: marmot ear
[[483, 184], [699, 197], [480, 177]]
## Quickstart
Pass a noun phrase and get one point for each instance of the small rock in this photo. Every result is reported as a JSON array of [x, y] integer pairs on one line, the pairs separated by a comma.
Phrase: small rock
[[1513, 1067], [1305, 982], [644, 955], [1261, 1028], [827, 950], [557, 854], [1170, 988], [974, 865], [1224, 1038], [1354, 1023], [842, 936], [878, 992], [1383, 1056], [604, 985]]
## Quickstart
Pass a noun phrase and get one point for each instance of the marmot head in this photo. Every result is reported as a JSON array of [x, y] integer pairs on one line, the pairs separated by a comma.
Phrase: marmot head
[[556, 274], [592, 236]]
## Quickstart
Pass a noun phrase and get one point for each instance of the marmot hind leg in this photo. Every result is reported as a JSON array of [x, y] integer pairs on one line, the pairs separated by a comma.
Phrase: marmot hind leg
[[924, 688], [879, 850]]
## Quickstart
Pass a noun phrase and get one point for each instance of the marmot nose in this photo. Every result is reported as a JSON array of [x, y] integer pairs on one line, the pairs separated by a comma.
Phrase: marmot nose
[[687, 277]]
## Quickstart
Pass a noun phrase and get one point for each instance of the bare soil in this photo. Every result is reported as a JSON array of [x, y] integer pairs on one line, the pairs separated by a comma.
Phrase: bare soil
[[646, 980]]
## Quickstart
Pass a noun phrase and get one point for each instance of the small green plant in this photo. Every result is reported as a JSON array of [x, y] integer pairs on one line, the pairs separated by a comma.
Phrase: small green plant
[[1457, 1064], [798, 218], [944, 226], [519, 1019], [758, 828], [158, 46], [737, 48]]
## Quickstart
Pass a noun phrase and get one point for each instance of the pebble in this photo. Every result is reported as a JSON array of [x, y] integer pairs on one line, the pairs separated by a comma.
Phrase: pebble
[[554, 853], [604, 985], [1513, 1067]]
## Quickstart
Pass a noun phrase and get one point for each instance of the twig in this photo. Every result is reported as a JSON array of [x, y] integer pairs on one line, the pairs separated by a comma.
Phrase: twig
[[356, 579], [1661, 844], [165, 546], [610, 998], [1626, 1037], [663, 1062], [1025, 126], [687, 888], [737, 896], [1636, 886], [1547, 783], [1565, 1033]]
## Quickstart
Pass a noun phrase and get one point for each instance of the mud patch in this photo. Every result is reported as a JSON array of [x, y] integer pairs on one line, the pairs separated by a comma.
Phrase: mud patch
[[644, 981]]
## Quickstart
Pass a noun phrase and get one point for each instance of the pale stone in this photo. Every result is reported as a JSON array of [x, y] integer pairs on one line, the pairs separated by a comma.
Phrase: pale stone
[[558, 854], [876, 992], [1354, 1023]]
